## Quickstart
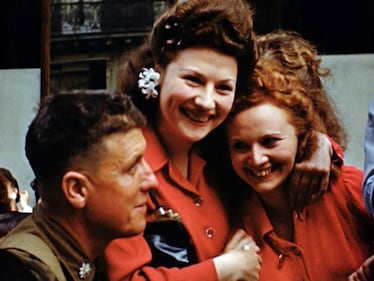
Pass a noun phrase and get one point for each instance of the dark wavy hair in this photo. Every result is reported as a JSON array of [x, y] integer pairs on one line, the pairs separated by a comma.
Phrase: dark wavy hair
[[226, 26]]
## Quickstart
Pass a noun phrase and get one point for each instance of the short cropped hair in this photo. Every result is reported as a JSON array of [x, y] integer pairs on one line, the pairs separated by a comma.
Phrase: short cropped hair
[[68, 125]]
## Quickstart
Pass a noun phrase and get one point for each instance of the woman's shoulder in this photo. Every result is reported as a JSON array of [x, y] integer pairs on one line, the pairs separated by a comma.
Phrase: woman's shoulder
[[349, 181], [351, 175], [348, 186]]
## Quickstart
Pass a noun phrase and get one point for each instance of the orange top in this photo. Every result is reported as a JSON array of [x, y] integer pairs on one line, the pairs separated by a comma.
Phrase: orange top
[[331, 240], [202, 214]]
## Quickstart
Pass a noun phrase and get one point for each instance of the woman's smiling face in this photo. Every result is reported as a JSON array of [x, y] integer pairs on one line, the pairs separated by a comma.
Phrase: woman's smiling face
[[263, 146], [197, 93]]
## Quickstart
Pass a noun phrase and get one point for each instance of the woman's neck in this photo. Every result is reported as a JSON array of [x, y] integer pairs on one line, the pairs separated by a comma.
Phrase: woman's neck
[[178, 151], [13, 206], [179, 155], [280, 214], [181, 162]]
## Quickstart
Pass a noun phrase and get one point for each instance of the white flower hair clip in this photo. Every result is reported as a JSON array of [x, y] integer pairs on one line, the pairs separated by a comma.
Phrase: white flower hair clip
[[148, 81]]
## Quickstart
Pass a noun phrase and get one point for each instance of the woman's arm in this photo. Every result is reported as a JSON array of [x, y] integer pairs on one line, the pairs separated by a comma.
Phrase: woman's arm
[[127, 259], [365, 272]]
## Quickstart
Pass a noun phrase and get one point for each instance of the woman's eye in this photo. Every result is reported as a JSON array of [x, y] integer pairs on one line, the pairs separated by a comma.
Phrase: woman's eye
[[239, 146], [269, 142], [193, 79], [226, 88]]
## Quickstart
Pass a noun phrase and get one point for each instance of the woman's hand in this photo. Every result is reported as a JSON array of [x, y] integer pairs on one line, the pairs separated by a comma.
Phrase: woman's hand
[[240, 261], [365, 272], [310, 179]]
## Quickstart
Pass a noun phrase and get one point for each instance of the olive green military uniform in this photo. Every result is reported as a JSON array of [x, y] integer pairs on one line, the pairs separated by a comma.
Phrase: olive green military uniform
[[41, 249]]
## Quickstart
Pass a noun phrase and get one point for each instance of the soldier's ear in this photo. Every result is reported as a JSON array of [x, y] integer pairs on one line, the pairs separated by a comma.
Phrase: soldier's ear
[[74, 187]]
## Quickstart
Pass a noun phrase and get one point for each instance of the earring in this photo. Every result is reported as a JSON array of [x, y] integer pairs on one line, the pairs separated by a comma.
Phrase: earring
[[13, 196], [148, 81]]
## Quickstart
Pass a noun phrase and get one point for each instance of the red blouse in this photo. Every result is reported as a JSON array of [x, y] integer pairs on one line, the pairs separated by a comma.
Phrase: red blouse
[[201, 212], [331, 240]]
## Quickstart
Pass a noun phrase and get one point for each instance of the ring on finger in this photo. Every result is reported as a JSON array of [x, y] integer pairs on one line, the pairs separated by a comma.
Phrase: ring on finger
[[246, 247]]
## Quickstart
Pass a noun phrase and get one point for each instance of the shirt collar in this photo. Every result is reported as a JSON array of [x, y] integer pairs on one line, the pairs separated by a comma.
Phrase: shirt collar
[[256, 220], [157, 158]]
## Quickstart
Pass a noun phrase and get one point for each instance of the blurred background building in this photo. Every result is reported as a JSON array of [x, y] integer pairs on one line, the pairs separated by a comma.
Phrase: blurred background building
[[83, 39], [88, 37]]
